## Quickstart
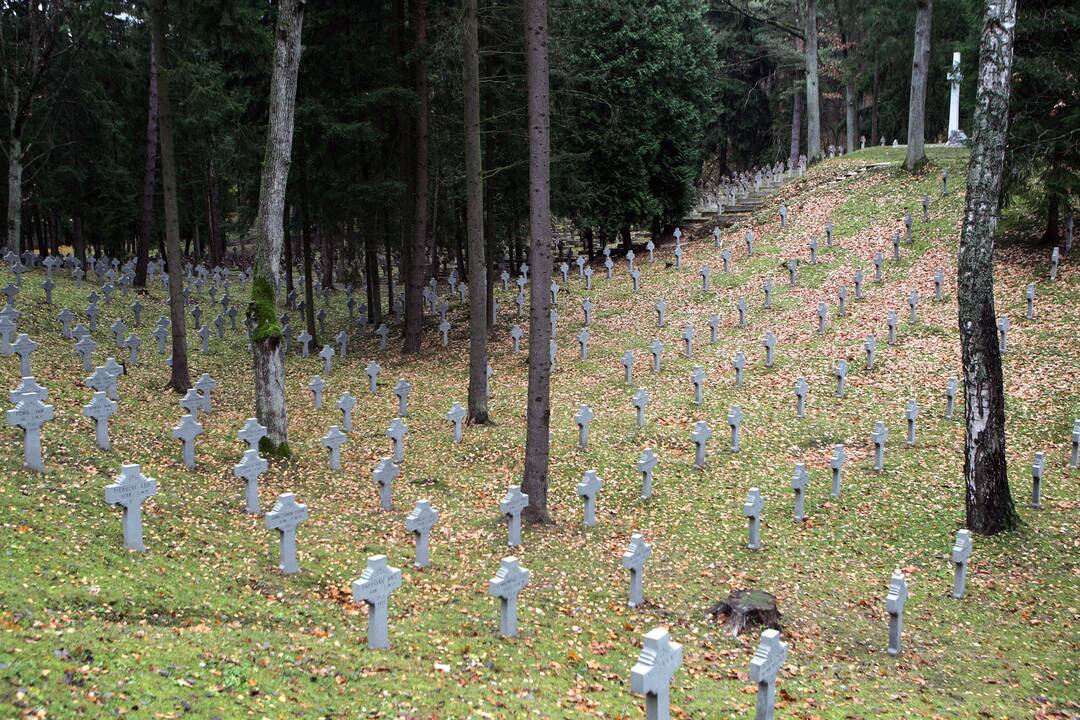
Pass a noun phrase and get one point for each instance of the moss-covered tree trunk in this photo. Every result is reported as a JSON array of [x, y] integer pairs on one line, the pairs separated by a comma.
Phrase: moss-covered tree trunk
[[268, 231], [988, 501]]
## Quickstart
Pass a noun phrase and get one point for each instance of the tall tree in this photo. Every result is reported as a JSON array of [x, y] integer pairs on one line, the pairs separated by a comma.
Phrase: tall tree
[[474, 222], [920, 69], [268, 231], [146, 219], [813, 98], [180, 379], [988, 501], [538, 416], [414, 298]]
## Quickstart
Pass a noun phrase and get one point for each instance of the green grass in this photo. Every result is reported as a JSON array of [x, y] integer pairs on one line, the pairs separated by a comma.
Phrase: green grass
[[203, 626]]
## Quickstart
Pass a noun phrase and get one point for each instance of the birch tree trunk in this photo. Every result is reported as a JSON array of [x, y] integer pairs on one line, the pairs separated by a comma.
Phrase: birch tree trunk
[[474, 223], [988, 501], [146, 220], [414, 298], [179, 380], [268, 231], [538, 416], [813, 102], [920, 68]]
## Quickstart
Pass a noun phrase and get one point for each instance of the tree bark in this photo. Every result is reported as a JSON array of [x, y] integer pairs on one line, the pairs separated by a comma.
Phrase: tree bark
[[288, 240], [268, 231], [180, 380], [146, 220], [796, 121], [389, 261], [371, 270], [538, 416], [851, 115], [414, 309], [920, 69], [14, 203], [813, 106], [305, 241], [874, 125], [988, 501], [474, 223]]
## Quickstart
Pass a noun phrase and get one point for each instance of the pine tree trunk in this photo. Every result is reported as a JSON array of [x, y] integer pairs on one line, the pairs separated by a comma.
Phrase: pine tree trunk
[[414, 309], [180, 380], [474, 222], [988, 500], [851, 115], [146, 220], [268, 231], [14, 203], [813, 100], [796, 121], [920, 69], [538, 416]]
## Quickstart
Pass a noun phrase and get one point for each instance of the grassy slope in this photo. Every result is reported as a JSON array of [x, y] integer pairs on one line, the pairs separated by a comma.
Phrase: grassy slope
[[203, 625]]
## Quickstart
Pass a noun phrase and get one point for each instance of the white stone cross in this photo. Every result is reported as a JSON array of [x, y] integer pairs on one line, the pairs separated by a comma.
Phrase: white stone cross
[[251, 433], [633, 559], [588, 489], [837, 466], [700, 437], [764, 667], [130, 490], [645, 465], [193, 401], [30, 414], [401, 391], [376, 584], [894, 606], [583, 418], [332, 441], [735, 418], [384, 475], [286, 518], [752, 509], [188, 429], [961, 551], [345, 404], [879, 436], [652, 673], [420, 522], [23, 346], [100, 409], [511, 506], [397, 432], [249, 470], [28, 385], [697, 379], [316, 387], [456, 415], [507, 584], [372, 371]]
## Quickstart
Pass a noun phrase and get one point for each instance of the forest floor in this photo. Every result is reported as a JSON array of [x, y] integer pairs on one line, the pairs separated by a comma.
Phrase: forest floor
[[203, 625]]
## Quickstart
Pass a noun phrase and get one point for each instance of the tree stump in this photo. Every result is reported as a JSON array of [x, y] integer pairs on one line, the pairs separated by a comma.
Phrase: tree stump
[[747, 608]]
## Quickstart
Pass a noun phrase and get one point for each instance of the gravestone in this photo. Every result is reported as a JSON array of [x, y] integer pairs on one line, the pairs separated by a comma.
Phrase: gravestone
[[1029, 295], [28, 386], [661, 309], [345, 404], [752, 509], [651, 674], [30, 414], [740, 308], [714, 326], [401, 391], [628, 366], [828, 233], [813, 246], [384, 475], [1037, 468], [510, 507], [286, 518], [100, 409], [342, 339], [894, 606], [204, 338], [1003, 333], [645, 465], [588, 489], [132, 344], [23, 347], [749, 238], [842, 298], [186, 432], [507, 584], [372, 371], [327, 353], [130, 490], [397, 432], [444, 331], [793, 272], [858, 279], [656, 348], [798, 484], [583, 418], [950, 398], [65, 317], [583, 344], [160, 332], [1074, 457], [961, 551], [764, 668], [697, 379], [375, 586], [688, 340], [633, 559], [913, 304], [841, 377], [767, 288], [700, 437], [332, 441], [640, 401], [823, 315], [383, 332], [193, 402], [586, 309], [735, 418], [515, 335], [837, 467], [879, 436], [877, 260], [706, 274], [419, 522], [890, 321], [769, 341], [911, 414], [871, 347], [801, 390], [1055, 259], [456, 415], [252, 433], [939, 280], [205, 385], [249, 469]]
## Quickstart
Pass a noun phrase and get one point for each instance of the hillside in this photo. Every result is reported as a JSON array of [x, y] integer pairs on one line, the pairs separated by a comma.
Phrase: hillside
[[203, 625]]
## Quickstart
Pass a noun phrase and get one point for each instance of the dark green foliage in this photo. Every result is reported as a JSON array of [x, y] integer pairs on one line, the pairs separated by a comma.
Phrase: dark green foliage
[[269, 450]]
